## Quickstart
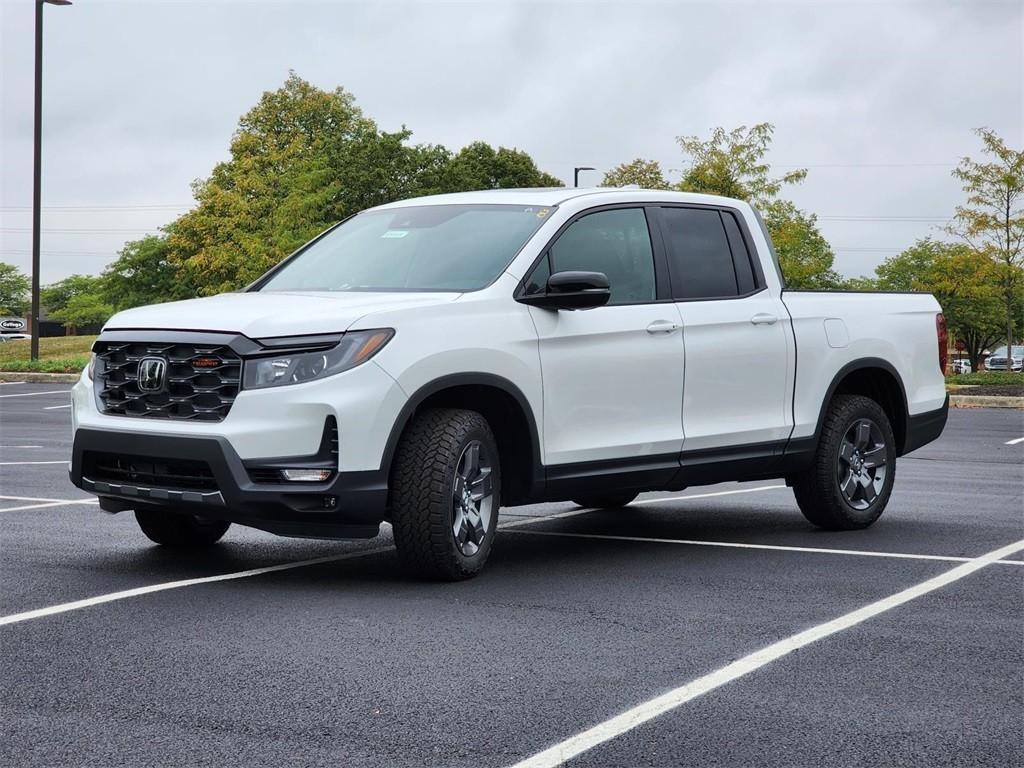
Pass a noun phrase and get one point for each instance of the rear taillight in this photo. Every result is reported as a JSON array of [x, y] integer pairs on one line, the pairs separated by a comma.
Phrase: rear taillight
[[943, 336]]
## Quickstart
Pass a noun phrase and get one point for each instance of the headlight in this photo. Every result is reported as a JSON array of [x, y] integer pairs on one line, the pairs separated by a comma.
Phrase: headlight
[[298, 367]]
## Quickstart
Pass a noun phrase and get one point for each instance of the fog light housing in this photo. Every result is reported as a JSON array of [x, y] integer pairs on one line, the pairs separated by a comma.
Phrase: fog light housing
[[306, 475]]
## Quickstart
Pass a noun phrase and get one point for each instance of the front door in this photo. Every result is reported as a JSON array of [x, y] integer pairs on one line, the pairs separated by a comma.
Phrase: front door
[[612, 376]]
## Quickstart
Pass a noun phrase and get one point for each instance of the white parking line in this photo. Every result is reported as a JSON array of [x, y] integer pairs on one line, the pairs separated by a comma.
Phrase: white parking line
[[47, 504], [1015, 441], [708, 495], [8, 383], [775, 547], [33, 394], [19, 463], [20, 446], [84, 499], [632, 718], [55, 407], [138, 591]]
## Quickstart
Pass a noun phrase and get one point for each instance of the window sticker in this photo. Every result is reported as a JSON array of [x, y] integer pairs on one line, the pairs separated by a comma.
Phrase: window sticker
[[396, 233]]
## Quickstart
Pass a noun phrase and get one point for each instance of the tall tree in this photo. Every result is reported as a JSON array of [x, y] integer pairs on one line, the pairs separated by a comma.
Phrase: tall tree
[[965, 284], [732, 163], [143, 274], [481, 166], [302, 159], [646, 174], [14, 288], [56, 296], [992, 219]]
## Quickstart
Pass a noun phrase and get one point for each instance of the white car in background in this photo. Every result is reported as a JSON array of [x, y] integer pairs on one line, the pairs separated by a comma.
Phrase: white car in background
[[997, 360]]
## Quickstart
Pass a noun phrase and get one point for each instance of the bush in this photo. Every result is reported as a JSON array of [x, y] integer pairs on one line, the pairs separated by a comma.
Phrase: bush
[[59, 365], [991, 378]]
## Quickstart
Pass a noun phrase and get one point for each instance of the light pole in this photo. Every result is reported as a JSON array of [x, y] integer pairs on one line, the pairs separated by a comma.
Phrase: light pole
[[576, 174], [37, 157]]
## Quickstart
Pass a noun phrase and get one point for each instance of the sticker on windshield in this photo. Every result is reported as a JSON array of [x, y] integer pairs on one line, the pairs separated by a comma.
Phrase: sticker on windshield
[[396, 233]]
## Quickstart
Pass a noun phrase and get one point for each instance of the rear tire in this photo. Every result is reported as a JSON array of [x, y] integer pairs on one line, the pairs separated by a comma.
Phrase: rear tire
[[445, 494], [606, 500], [849, 483], [181, 531]]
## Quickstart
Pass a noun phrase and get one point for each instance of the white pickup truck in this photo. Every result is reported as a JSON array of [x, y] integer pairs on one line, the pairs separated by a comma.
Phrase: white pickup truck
[[430, 360]]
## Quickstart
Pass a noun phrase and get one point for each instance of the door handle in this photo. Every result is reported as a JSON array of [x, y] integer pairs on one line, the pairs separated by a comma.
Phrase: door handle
[[663, 326], [763, 318]]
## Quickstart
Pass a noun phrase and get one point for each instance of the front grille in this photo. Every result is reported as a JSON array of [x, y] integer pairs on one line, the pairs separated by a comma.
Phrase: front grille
[[183, 474], [202, 380]]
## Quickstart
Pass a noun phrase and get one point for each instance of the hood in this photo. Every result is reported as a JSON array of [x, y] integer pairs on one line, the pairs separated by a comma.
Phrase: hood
[[270, 313]]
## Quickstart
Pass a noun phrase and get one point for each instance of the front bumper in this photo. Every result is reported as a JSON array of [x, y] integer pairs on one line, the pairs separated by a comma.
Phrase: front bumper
[[350, 505]]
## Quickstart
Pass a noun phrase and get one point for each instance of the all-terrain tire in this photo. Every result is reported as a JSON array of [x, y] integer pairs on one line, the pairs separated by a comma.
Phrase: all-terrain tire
[[179, 530], [818, 489], [606, 500], [423, 484]]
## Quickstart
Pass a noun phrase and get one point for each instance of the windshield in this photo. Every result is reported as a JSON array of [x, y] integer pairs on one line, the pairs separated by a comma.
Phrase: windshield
[[421, 248]]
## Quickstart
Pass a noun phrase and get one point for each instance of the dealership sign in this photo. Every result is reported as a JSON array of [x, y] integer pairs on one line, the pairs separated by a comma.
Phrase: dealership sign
[[11, 324]]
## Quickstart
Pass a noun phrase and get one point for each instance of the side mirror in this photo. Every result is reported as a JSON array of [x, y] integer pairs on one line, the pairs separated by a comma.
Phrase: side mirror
[[572, 290]]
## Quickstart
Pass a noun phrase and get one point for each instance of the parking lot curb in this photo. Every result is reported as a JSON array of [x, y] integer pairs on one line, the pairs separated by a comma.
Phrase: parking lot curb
[[985, 401], [33, 378]]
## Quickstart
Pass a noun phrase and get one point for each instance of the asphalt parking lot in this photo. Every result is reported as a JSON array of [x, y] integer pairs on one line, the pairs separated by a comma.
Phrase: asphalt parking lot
[[580, 616]]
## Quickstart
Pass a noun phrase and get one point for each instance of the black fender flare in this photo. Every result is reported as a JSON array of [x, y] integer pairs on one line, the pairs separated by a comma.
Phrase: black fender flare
[[459, 380], [846, 370]]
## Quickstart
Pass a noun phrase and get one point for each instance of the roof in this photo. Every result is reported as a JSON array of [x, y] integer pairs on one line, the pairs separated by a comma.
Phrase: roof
[[554, 196]]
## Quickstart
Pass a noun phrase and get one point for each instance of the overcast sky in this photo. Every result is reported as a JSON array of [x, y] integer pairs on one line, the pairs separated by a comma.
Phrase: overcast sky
[[877, 100]]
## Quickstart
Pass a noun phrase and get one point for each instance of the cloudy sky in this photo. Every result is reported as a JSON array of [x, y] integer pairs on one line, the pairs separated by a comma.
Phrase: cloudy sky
[[878, 100]]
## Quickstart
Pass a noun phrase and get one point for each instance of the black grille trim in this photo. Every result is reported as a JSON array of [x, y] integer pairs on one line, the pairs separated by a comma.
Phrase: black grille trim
[[203, 379], [146, 471]]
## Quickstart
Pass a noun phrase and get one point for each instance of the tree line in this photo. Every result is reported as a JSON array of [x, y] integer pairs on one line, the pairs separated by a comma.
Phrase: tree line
[[304, 158]]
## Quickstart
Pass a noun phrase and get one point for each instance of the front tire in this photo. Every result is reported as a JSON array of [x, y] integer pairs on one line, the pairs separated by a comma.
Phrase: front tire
[[606, 500], [445, 493], [179, 530], [849, 483]]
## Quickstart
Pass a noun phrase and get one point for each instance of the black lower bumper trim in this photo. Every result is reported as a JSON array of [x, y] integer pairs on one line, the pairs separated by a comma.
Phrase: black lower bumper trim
[[923, 428], [350, 505]]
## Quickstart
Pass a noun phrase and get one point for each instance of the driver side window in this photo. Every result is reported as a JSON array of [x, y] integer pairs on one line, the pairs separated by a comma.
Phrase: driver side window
[[615, 242]]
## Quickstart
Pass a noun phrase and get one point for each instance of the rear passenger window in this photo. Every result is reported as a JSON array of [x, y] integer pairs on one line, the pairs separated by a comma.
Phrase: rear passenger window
[[745, 282], [615, 242], [699, 254]]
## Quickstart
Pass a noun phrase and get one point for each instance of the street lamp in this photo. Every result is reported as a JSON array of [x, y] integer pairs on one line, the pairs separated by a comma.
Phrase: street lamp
[[576, 174], [37, 158]]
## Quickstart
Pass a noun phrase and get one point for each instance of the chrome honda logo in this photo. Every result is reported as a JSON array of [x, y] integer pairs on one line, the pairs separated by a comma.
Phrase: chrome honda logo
[[152, 371]]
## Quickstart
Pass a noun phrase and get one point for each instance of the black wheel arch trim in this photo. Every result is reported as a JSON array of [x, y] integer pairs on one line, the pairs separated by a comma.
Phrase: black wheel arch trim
[[451, 381], [809, 444]]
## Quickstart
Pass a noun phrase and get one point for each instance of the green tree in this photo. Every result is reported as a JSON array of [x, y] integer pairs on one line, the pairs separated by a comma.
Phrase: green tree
[[731, 163], [992, 219], [83, 309], [964, 282], [646, 174], [302, 159], [481, 166], [54, 298], [14, 290], [805, 256], [143, 274]]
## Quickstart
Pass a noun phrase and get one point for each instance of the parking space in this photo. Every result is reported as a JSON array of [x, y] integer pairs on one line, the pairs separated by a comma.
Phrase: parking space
[[579, 616]]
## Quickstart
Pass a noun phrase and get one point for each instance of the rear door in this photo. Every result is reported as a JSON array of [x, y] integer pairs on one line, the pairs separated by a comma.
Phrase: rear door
[[613, 375], [738, 346]]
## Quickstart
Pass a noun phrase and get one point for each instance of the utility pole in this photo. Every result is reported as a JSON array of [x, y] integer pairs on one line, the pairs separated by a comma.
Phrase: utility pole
[[37, 162]]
